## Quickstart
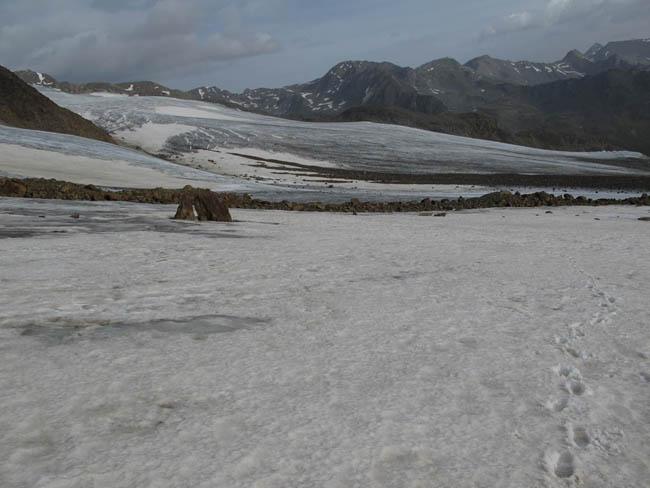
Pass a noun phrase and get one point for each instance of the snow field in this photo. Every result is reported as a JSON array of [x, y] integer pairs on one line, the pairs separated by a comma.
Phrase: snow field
[[504, 348]]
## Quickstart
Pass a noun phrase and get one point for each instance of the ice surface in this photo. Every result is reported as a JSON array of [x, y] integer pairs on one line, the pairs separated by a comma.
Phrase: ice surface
[[152, 137], [196, 113], [28, 153], [290, 349]]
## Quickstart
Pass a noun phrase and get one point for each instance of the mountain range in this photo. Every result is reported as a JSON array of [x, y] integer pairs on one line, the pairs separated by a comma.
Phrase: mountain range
[[586, 101]]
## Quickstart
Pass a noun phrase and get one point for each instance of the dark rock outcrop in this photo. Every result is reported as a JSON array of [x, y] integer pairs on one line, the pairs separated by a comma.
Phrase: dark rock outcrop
[[207, 205], [12, 188], [23, 106]]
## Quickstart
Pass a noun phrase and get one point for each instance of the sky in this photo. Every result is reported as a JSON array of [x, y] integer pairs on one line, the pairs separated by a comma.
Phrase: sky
[[271, 43]]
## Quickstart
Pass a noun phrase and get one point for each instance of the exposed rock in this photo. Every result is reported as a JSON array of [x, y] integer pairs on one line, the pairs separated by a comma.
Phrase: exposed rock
[[210, 207], [12, 188], [220, 202], [185, 210]]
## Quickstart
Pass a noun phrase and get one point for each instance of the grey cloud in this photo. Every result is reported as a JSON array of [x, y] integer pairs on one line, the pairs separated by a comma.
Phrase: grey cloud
[[235, 44], [142, 39], [169, 17], [558, 12]]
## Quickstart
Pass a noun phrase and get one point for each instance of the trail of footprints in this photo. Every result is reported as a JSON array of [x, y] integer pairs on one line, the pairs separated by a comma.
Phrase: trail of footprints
[[563, 464]]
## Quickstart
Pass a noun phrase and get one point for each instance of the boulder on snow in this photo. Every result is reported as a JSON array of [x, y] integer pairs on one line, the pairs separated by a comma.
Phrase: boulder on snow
[[207, 205], [210, 207]]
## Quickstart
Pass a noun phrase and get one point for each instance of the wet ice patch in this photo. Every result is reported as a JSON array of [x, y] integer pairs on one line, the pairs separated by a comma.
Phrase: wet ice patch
[[52, 218], [198, 327]]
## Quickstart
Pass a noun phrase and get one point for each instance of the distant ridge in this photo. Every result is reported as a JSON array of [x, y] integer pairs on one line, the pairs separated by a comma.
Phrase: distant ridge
[[435, 87]]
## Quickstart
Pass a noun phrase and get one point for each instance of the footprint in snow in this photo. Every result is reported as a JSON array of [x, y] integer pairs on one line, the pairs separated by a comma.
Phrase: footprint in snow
[[574, 352], [576, 387], [565, 465], [567, 371], [558, 404], [580, 437]]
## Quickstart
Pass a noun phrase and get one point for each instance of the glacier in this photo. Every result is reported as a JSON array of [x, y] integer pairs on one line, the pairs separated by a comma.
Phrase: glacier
[[361, 146]]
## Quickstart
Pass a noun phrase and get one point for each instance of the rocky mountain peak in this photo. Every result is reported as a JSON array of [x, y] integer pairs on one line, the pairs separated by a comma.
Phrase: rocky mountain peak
[[573, 55], [449, 63], [593, 51], [634, 51], [35, 78]]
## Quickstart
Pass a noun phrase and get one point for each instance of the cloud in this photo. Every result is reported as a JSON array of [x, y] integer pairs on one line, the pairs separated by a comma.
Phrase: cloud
[[120, 40], [559, 12]]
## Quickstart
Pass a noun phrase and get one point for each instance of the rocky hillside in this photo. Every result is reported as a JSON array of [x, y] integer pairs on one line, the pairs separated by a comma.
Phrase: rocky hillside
[[23, 106], [607, 111], [474, 124], [613, 107], [479, 125]]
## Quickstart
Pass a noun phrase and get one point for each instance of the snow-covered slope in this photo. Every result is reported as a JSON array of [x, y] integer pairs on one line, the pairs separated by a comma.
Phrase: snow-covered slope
[[182, 127], [28, 153], [502, 348]]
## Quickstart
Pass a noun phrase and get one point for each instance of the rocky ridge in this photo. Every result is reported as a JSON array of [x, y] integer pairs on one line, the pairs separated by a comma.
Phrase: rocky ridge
[[54, 189]]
